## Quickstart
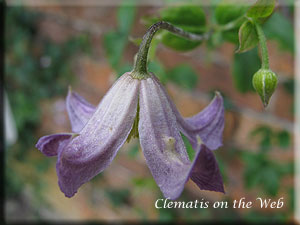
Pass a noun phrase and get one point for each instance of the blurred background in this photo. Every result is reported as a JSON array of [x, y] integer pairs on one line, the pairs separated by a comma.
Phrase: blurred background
[[49, 48]]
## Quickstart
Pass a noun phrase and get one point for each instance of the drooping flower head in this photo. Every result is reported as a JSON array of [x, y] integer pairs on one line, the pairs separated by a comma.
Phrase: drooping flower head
[[138, 106]]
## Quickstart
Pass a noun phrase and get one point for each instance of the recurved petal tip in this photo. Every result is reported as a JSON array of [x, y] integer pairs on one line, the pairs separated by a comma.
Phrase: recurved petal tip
[[79, 110], [207, 124], [49, 145], [206, 173]]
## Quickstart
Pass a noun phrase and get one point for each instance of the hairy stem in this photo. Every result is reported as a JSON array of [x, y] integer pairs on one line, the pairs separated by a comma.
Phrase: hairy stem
[[263, 47], [140, 67]]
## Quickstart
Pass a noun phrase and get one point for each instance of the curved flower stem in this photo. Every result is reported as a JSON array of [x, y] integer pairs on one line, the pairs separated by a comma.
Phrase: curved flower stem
[[263, 47], [140, 66], [233, 24]]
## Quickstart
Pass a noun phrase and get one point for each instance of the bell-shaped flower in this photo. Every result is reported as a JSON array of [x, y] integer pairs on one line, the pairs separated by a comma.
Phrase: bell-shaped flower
[[138, 108]]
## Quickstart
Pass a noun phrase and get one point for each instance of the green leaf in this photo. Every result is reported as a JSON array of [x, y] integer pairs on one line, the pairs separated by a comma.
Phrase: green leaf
[[181, 44], [123, 69], [229, 10], [244, 66], [231, 36], [149, 20], [158, 69], [215, 40], [144, 182], [115, 41], [114, 44], [279, 28], [261, 171], [184, 15], [289, 86], [265, 134], [283, 138], [126, 14], [189, 18], [292, 198], [286, 169], [183, 75], [248, 38], [270, 179], [118, 197], [261, 9]]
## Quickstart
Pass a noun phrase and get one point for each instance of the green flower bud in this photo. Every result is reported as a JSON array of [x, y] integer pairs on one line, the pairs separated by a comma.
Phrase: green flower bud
[[264, 81]]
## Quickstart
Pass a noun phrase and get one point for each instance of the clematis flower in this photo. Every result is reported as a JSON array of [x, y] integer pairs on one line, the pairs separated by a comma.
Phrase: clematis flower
[[138, 108]]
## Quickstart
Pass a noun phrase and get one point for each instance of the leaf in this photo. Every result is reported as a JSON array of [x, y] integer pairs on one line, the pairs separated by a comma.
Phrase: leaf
[[188, 17], [261, 9], [149, 20], [184, 76], [244, 67], [118, 197], [158, 69], [260, 170], [231, 36], [184, 15], [144, 182], [229, 10], [270, 179], [126, 14], [114, 44], [291, 194], [286, 169], [115, 41], [265, 133], [289, 86], [123, 69], [279, 28], [283, 138], [215, 40], [248, 38], [181, 44]]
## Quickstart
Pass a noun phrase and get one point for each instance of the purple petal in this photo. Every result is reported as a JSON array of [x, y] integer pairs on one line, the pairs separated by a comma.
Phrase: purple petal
[[207, 126], [100, 139], [161, 141], [49, 145], [79, 110], [206, 173]]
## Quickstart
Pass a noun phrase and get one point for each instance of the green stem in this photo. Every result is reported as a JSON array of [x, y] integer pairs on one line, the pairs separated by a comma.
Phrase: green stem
[[263, 47], [140, 66], [233, 24]]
